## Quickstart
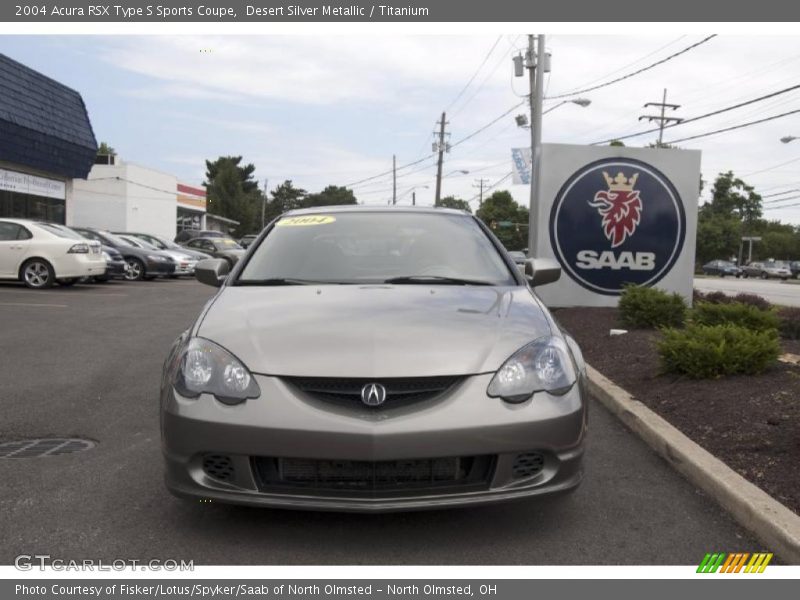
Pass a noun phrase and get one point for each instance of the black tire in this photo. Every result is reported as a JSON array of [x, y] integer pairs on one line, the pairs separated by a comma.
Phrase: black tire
[[764, 276], [68, 282], [149, 277], [37, 274], [135, 269]]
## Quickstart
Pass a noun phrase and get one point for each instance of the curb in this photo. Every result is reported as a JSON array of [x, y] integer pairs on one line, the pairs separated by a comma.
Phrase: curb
[[770, 521]]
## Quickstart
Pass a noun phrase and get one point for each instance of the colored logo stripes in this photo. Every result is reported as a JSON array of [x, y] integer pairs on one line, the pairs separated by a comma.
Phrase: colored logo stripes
[[735, 562]]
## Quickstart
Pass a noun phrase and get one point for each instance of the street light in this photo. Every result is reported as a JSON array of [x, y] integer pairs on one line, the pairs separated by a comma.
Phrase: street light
[[789, 138], [462, 171], [522, 120]]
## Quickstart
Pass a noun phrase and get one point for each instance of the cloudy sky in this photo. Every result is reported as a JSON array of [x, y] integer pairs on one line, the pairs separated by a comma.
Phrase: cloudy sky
[[334, 109]]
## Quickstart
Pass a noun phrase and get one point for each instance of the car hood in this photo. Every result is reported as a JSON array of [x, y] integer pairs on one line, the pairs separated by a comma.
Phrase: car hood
[[373, 330]]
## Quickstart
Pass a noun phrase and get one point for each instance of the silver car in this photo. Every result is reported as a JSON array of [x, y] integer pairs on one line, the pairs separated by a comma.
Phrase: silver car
[[373, 359]]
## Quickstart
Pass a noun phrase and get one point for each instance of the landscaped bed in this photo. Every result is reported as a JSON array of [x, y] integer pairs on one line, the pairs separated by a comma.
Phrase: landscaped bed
[[752, 423]]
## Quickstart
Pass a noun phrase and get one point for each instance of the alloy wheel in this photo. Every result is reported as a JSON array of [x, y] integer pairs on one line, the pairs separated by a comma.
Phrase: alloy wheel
[[133, 270], [36, 274]]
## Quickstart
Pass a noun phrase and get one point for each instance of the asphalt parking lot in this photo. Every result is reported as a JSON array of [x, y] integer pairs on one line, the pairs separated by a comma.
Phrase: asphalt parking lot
[[86, 361]]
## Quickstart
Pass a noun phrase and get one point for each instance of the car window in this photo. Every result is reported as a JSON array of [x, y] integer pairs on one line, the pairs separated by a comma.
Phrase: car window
[[194, 244], [225, 244], [376, 246], [9, 231]]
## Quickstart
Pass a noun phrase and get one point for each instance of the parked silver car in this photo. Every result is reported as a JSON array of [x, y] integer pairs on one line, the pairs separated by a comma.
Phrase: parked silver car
[[767, 270], [374, 359]]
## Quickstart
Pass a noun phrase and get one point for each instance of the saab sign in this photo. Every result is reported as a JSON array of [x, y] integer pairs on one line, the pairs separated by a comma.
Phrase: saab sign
[[617, 216]]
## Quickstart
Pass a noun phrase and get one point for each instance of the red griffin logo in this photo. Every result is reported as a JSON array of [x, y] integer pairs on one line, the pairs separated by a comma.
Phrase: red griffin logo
[[620, 207]]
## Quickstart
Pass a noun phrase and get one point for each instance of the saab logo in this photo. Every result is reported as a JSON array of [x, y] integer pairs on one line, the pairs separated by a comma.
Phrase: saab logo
[[734, 562], [617, 221]]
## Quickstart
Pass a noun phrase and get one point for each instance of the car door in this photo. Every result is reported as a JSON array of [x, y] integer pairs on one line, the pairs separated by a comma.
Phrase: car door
[[15, 242]]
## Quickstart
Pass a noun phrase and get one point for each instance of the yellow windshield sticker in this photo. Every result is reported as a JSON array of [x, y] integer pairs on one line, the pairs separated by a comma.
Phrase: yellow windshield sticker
[[307, 220]]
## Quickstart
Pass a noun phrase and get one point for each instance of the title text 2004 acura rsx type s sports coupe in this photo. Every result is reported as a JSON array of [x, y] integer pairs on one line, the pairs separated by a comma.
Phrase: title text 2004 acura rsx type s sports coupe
[[373, 359]]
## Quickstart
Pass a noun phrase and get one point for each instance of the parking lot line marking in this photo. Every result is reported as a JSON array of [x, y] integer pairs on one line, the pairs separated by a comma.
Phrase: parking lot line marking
[[56, 293], [31, 304]]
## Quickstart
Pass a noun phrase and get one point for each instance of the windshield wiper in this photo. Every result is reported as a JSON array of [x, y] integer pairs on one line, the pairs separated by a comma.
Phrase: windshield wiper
[[423, 279], [280, 281]]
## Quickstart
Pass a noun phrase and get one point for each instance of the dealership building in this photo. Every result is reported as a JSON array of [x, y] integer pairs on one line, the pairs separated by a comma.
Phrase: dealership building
[[46, 141], [50, 170]]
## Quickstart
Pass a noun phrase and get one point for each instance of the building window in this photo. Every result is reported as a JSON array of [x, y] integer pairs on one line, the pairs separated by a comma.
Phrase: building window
[[26, 206]]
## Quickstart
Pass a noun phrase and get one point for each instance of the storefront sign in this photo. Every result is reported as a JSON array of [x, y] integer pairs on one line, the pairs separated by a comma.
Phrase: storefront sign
[[22, 183], [615, 216]]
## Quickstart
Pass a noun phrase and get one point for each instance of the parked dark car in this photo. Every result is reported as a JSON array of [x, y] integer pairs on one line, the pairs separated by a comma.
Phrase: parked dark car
[[794, 267], [163, 243], [224, 248], [247, 240], [190, 234], [140, 263], [767, 270], [722, 268]]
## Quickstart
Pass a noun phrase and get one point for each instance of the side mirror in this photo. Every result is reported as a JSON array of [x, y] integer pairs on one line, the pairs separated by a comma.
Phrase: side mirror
[[541, 271], [212, 271]]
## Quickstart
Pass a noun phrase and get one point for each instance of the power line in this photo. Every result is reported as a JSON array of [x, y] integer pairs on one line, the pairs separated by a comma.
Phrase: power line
[[475, 74], [491, 187], [780, 193], [630, 64], [741, 126], [703, 116], [485, 127], [637, 72], [389, 172]]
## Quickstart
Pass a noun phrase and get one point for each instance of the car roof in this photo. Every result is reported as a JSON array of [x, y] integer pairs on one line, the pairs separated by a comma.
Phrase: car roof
[[363, 208]]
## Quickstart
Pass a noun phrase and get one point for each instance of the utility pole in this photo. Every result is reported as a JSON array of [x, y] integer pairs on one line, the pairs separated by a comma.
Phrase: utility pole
[[441, 146], [394, 179], [479, 184], [413, 197], [662, 119], [536, 68], [264, 202]]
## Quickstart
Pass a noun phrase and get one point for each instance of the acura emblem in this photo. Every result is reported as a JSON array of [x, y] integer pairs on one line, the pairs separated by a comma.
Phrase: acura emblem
[[373, 394]]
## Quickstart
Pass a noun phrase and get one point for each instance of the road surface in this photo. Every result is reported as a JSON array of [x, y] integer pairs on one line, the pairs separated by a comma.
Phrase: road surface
[[775, 291]]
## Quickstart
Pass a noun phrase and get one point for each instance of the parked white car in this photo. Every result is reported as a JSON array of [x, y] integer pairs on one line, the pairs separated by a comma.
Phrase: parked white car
[[39, 254]]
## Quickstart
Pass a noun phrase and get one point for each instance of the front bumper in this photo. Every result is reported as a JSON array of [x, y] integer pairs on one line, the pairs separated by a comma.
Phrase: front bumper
[[185, 268], [115, 268], [284, 424], [155, 267]]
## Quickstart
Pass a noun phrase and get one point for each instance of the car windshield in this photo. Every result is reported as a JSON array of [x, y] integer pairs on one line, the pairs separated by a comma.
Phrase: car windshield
[[116, 240], [61, 231], [226, 244], [778, 264], [138, 242], [377, 247]]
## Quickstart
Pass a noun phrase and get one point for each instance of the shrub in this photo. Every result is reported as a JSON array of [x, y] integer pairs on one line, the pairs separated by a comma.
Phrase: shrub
[[707, 351], [717, 298], [735, 313], [752, 300], [789, 323], [644, 307]]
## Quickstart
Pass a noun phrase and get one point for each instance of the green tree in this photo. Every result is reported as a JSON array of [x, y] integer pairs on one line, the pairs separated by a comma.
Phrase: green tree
[[453, 202], [331, 196], [731, 196], [617, 143], [507, 219], [227, 197], [284, 197], [105, 150], [245, 173], [718, 236]]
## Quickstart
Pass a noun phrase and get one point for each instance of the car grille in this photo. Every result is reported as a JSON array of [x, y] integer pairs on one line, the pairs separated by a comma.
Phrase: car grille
[[218, 466], [353, 477], [528, 465], [404, 390]]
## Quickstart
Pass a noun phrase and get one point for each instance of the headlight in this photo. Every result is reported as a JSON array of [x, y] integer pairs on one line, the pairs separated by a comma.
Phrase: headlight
[[156, 257], [542, 365], [206, 368], [106, 256], [79, 249]]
